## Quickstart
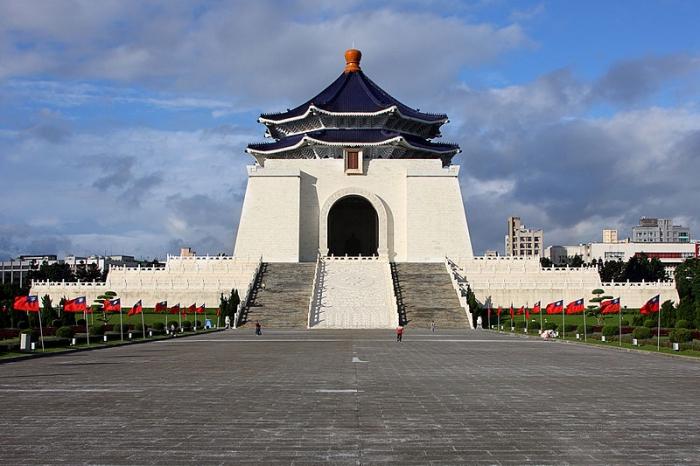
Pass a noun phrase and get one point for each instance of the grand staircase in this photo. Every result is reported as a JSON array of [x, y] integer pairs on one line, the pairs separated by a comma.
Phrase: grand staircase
[[426, 294], [354, 293], [283, 302]]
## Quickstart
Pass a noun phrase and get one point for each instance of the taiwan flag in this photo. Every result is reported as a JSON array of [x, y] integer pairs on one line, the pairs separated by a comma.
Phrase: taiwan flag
[[521, 311], [75, 305], [512, 312], [575, 307], [200, 309], [527, 313], [192, 309], [536, 308], [161, 306], [20, 303], [175, 309], [651, 306], [556, 307], [112, 305], [498, 311], [610, 307], [136, 309], [26, 303]]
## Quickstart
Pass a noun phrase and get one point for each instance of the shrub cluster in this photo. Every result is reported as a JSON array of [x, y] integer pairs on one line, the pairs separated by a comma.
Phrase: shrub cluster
[[173, 322], [568, 328], [641, 333], [681, 335], [519, 324], [650, 323], [65, 332], [534, 325], [159, 326], [625, 323], [610, 330], [588, 329], [187, 325], [551, 326], [96, 330], [683, 324]]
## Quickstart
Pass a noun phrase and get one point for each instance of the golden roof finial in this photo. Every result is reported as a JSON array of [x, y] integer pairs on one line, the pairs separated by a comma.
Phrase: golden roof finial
[[352, 60]]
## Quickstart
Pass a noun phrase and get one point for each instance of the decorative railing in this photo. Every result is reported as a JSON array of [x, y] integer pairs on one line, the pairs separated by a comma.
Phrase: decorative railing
[[391, 296], [460, 284], [315, 298], [244, 300]]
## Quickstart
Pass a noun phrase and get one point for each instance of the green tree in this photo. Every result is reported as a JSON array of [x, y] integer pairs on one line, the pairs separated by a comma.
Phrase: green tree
[[576, 261], [88, 273], [611, 271], [688, 285], [545, 262], [52, 272]]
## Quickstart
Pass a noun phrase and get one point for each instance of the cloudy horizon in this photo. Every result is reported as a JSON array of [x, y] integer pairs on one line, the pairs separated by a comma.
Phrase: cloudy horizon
[[123, 124]]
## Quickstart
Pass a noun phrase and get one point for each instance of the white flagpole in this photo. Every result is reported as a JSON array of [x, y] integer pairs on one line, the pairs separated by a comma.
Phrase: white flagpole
[[585, 330], [179, 316], [87, 329], [195, 317], [563, 323], [121, 323], [143, 324], [619, 337], [541, 329], [499, 321], [41, 331], [658, 331]]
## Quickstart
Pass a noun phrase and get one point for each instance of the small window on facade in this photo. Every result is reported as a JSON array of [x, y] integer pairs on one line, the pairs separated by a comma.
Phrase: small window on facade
[[353, 161]]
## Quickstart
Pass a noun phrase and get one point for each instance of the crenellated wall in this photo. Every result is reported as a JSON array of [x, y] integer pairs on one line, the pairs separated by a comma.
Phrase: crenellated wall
[[502, 281], [184, 280]]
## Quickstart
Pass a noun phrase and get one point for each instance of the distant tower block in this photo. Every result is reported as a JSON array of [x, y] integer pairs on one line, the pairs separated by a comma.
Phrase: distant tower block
[[353, 171]]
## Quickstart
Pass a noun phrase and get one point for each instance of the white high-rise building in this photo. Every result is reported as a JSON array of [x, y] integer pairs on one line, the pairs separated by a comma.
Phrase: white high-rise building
[[521, 241]]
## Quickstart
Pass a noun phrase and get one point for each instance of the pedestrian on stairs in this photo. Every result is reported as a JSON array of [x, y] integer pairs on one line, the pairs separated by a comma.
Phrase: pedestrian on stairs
[[258, 328], [399, 333]]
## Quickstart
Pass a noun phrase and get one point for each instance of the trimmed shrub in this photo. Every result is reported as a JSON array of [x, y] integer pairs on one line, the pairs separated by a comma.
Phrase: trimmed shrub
[[159, 326], [551, 326], [65, 332], [569, 328], [34, 332], [22, 324], [680, 335], [533, 325], [683, 324], [625, 323], [580, 329], [519, 324], [57, 323], [124, 328], [641, 333], [173, 322], [610, 330], [96, 330], [80, 322], [650, 323], [187, 325], [638, 320]]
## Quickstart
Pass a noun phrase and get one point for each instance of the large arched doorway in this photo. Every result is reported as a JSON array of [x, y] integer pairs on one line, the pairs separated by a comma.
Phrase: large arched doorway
[[353, 227]]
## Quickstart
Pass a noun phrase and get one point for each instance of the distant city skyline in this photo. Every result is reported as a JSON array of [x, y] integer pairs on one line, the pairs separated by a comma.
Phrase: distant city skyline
[[122, 125]]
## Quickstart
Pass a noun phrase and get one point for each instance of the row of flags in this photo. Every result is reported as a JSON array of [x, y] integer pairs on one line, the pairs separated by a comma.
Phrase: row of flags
[[611, 306], [31, 304]]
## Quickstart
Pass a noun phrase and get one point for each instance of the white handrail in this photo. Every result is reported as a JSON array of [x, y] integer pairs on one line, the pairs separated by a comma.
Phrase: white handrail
[[244, 301], [312, 298], [453, 272]]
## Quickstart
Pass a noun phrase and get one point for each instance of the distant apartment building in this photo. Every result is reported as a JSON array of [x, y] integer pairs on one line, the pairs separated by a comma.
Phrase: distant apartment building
[[522, 241], [610, 235], [659, 230], [670, 254], [16, 270]]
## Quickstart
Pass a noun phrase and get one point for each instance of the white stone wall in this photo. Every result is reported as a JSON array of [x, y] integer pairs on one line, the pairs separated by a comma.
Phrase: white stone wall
[[269, 224], [502, 281], [425, 214], [184, 280]]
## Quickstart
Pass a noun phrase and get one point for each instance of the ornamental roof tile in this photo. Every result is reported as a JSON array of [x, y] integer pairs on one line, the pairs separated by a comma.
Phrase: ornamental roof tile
[[354, 93], [355, 136]]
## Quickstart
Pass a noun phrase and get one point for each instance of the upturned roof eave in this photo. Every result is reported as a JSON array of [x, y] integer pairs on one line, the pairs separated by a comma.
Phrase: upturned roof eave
[[312, 108]]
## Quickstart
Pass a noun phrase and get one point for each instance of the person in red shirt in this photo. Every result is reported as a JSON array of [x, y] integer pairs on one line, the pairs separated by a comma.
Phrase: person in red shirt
[[399, 333]]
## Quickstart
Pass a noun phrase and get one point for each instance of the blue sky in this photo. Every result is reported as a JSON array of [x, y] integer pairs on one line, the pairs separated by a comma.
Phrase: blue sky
[[123, 124]]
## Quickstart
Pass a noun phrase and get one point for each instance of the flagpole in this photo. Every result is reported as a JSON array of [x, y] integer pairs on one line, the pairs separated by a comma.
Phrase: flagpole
[[41, 332], [585, 330], [179, 316], [563, 324], [87, 329], [658, 331], [541, 329], [488, 316], [619, 313], [143, 325], [499, 322], [121, 323], [525, 315]]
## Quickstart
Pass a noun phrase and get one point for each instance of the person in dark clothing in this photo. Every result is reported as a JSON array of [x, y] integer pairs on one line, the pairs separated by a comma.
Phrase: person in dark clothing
[[258, 328], [399, 333]]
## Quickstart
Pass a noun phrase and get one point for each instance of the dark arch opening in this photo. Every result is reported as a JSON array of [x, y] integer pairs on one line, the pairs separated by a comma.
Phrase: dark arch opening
[[353, 227]]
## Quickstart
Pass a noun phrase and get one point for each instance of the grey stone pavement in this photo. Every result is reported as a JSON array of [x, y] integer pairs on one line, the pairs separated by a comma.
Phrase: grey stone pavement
[[352, 397]]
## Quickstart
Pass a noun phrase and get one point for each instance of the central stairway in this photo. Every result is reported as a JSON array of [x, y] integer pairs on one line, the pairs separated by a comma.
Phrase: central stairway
[[283, 301], [428, 295], [354, 293]]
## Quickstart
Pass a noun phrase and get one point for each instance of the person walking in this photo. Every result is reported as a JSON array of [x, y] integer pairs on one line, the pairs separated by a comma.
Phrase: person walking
[[432, 326], [258, 328], [399, 333], [227, 321], [172, 330]]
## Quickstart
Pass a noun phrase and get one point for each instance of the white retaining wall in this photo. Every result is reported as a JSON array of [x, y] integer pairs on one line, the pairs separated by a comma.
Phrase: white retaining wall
[[502, 281], [184, 280]]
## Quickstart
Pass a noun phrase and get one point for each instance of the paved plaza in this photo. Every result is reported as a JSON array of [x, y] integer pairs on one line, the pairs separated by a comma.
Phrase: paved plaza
[[353, 397]]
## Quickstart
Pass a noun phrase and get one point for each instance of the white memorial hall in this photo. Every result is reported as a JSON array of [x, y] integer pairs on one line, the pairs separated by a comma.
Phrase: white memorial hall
[[353, 217]]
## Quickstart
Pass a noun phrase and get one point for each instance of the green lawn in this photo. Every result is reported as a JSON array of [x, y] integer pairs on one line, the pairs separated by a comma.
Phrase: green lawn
[[575, 319], [151, 318]]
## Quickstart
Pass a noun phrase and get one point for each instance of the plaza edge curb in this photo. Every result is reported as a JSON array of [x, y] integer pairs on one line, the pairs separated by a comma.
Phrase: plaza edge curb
[[32, 356], [603, 347]]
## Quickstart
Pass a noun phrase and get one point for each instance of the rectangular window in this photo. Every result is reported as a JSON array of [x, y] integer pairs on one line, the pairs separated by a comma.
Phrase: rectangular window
[[353, 161]]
